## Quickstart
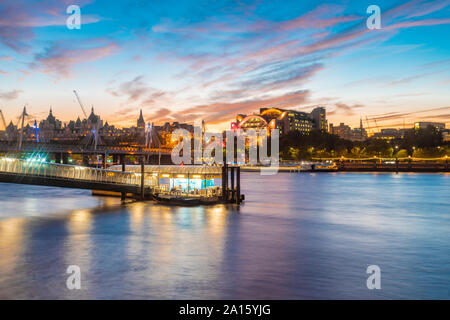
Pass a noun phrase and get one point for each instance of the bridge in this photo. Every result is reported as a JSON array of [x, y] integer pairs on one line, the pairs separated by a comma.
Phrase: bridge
[[60, 152], [80, 149], [69, 176]]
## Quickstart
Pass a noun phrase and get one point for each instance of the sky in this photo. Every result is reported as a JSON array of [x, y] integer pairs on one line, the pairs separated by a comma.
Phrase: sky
[[192, 60]]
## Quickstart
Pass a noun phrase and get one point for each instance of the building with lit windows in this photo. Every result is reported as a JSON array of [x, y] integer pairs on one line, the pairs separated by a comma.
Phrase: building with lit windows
[[424, 125], [275, 118], [319, 116]]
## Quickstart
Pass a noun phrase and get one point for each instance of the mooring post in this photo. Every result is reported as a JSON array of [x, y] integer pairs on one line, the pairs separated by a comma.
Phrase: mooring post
[[122, 162], [65, 158], [233, 193], [104, 160], [142, 178], [238, 185], [225, 182]]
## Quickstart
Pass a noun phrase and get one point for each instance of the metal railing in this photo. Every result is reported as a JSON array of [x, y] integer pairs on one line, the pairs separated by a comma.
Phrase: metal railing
[[50, 147], [70, 172]]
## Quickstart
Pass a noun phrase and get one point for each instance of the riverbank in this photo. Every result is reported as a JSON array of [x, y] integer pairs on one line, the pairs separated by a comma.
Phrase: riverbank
[[357, 167]]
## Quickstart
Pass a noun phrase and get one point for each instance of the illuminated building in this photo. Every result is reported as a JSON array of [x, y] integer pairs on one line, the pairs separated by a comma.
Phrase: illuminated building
[[275, 118], [190, 179], [319, 118], [446, 136], [424, 125]]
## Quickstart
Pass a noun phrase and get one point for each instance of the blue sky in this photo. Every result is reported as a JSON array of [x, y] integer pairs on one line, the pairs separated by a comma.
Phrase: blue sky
[[193, 60]]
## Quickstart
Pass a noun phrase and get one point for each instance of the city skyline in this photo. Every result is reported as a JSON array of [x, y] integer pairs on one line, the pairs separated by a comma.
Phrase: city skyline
[[188, 62]]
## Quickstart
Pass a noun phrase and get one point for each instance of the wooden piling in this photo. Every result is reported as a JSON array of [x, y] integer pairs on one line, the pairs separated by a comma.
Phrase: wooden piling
[[122, 162], [142, 178], [232, 184], [238, 185], [225, 182]]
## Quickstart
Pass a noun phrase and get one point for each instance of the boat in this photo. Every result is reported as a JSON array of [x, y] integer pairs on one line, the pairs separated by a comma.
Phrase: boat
[[181, 200], [326, 166]]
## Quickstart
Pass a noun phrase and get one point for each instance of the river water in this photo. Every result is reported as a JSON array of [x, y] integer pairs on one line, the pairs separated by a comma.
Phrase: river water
[[297, 236]]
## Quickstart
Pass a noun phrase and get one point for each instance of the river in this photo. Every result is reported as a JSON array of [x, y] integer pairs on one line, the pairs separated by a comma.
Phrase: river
[[297, 236]]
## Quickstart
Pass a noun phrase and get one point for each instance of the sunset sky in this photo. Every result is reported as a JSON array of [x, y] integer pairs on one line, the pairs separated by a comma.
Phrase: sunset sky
[[192, 60]]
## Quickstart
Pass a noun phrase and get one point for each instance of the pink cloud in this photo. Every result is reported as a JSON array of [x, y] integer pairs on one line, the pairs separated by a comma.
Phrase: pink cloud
[[318, 18], [18, 18], [419, 23], [219, 112], [59, 61], [10, 95]]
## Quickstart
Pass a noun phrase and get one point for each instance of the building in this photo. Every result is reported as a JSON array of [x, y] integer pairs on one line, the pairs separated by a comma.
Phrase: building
[[140, 121], [424, 125], [388, 134], [446, 135], [50, 127], [345, 132], [275, 118], [319, 118], [359, 134]]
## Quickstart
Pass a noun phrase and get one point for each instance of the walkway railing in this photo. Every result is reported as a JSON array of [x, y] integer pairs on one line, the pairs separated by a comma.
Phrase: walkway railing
[[50, 147], [70, 172]]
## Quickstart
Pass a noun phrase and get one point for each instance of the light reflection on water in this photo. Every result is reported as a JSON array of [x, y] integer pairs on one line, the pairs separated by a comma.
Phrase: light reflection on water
[[297, 236]]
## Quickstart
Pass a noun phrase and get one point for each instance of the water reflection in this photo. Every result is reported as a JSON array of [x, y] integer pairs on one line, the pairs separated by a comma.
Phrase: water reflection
[[12, 239], [296, 236]]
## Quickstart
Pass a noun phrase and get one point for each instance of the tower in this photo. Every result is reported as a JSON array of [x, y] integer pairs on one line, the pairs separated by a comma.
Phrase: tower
[[141, 122]]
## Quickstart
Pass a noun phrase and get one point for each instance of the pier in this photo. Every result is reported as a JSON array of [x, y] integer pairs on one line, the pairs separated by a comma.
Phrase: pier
[[140, 181]]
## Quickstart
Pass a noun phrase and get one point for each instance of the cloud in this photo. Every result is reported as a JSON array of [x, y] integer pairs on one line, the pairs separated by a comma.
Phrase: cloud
[[219, 112], [10, 95], [282, 77], [320, 17], [419, 23], [137, 90], [18, 18], [412, 78], [59, 60], [344, 109]]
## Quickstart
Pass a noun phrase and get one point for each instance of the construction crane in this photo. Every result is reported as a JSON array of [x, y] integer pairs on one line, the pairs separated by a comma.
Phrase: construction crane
[[376, 124], [368, 125], [4, 124], [3, 119], [81, 104], [94, 130]]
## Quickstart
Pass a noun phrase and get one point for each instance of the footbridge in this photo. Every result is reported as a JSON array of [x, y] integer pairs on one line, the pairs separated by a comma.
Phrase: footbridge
[[70, 176]]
